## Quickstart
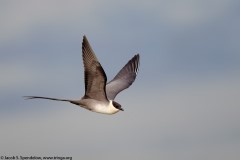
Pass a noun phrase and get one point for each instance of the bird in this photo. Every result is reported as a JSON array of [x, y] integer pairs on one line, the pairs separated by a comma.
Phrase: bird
[[99, 95]]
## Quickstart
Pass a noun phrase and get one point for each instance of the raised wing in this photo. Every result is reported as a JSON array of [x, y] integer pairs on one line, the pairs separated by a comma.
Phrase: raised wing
[[125, 77], [94, 75]]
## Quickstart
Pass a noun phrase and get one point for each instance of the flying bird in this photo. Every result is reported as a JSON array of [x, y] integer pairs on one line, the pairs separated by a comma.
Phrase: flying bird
[[99, 95]]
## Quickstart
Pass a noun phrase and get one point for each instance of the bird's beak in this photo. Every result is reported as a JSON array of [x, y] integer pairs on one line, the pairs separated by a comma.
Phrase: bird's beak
[[121, 109]]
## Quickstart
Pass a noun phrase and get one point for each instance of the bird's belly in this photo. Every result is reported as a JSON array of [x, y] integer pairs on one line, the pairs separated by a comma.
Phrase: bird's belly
[[105, 109], [99, 107]]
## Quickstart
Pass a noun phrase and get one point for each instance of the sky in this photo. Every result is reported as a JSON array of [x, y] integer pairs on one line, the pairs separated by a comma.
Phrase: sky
[[183, 105]]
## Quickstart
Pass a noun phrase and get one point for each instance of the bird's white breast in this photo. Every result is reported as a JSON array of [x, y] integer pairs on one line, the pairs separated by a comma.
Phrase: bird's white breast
[[105, 109]]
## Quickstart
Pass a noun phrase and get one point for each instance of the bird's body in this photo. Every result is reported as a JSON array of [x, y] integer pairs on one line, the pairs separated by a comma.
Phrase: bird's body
[[99, 95], [99, 106]]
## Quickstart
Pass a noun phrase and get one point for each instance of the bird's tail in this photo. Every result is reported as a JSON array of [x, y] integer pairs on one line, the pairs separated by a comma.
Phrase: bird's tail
[[54, 99], [38, 97]]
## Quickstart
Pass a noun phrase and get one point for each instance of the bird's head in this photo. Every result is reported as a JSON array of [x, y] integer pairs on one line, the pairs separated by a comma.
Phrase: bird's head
[[117, 105]]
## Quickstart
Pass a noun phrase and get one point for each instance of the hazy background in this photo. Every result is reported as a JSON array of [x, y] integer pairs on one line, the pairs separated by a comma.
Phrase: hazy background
[[184, 104]]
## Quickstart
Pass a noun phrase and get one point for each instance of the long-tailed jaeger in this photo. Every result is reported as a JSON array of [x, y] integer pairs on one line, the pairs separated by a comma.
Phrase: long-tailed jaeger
[[99, 95]]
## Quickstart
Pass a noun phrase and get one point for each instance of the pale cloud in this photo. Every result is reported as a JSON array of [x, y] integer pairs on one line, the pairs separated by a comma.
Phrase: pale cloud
[[15, 76], [18, 18], [193, 12], [180, 13]]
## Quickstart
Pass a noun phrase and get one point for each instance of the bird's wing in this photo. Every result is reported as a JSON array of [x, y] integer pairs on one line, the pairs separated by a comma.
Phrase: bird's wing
[[125, 77], [94, 75]]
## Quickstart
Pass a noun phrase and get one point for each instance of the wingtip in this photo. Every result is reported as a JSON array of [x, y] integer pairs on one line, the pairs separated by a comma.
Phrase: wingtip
[[136, 58], [137, 55], [84, 38], [84, 42]]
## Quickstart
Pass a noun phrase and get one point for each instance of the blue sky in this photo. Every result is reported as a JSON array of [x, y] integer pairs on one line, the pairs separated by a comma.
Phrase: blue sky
[[183, 105]]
